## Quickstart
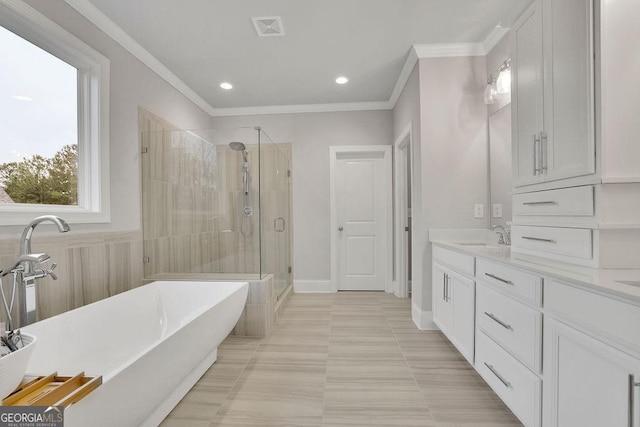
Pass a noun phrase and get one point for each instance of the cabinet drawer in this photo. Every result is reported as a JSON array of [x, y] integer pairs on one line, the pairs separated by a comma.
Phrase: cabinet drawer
[[517, 386], [577, 201], [522, 285], [513, 325], [615, 320], [572, 242], [461, 263]]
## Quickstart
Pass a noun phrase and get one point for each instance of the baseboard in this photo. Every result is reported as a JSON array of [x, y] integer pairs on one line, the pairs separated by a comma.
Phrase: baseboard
[[423, 319], [312, 287]]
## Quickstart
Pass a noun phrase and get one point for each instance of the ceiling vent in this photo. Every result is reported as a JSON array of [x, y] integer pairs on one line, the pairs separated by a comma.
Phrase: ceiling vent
[[268, 26]]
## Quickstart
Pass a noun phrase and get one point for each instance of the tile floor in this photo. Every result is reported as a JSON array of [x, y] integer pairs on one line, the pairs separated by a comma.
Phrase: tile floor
[[346, 359]]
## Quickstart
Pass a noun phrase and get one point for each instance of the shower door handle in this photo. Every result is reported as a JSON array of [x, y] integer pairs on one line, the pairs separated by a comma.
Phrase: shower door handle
[[279, 221]]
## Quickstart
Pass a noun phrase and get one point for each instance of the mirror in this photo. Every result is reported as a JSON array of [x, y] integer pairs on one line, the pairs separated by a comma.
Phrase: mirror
[[500, 165]]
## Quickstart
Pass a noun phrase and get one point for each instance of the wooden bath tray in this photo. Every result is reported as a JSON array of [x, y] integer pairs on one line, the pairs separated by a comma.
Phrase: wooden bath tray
[[53, 390]]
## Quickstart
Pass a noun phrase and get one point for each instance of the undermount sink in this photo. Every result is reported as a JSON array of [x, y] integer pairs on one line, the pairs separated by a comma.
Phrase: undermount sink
[[482, 245]]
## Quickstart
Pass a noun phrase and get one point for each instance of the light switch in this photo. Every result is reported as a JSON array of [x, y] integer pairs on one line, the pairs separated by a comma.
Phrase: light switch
[[497, 210], [478, 210]]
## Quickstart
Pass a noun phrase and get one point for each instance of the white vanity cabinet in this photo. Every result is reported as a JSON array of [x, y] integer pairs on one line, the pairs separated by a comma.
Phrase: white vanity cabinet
[[454, 298], [592, 369], [575, 102], [559, 351], [553, 92], [509, 336]]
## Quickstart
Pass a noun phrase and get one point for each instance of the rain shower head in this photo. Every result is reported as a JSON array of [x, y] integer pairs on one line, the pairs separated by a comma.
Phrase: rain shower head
[[239, 146]]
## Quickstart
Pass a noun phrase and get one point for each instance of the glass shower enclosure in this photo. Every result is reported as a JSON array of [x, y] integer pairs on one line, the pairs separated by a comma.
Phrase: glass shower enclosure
[[216, 204]]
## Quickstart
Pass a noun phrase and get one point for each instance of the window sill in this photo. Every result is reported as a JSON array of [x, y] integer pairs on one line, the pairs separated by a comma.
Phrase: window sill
[[21, 214]]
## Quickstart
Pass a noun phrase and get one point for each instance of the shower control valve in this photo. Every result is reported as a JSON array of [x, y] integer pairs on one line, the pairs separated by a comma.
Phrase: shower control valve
[[248, 211]]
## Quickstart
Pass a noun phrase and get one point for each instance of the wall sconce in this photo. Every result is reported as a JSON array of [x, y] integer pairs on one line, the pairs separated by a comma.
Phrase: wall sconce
[[491, 91], [499, 83]]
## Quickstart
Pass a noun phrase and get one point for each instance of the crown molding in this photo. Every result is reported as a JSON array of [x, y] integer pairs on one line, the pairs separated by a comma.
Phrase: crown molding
[[494, 38], [407, 69], [444, 50], [100, 20], [417, 51], [302, 108], [437, 50], [448, 50]]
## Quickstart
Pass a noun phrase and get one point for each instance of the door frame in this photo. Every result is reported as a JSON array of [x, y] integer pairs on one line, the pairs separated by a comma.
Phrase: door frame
[[334, 151], [401, 146]]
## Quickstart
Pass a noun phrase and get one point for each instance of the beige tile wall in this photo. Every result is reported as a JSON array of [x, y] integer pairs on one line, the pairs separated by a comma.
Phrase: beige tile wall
[[193, 202], [91, 266]]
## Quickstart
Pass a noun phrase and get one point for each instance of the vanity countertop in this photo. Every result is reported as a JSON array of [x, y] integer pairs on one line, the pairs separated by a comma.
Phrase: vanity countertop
[[603, 280]]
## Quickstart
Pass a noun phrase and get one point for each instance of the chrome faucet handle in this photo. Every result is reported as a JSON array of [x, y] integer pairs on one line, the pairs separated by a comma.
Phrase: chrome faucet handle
[[40, 273], [51, 273], [501, 239]]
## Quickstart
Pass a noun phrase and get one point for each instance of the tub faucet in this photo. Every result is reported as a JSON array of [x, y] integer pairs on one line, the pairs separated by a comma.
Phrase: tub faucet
[[26, 268], [505, 236]]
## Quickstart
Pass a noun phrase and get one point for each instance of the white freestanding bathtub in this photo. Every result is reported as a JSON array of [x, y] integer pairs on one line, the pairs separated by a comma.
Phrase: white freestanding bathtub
[[150, 344]]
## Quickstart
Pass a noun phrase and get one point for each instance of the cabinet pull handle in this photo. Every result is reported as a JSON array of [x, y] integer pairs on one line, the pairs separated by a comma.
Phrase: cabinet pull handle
[[500, 279], [538, 239], [549, 202], [632, 386], [536, 142], [500, 377], [543, 152], [448, 289], [444, 287], [498, 321]]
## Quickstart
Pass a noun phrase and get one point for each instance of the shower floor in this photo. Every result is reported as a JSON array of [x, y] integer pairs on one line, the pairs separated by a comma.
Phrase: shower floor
[[341, 359]]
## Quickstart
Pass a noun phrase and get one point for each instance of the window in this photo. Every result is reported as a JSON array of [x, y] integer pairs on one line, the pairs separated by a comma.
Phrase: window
[[54, 127]]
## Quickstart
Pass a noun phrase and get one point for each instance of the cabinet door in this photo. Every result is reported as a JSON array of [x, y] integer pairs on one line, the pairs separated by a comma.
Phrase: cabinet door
[[463, 320], [568, 150], [527, 96], [442, 311], [587, 383]]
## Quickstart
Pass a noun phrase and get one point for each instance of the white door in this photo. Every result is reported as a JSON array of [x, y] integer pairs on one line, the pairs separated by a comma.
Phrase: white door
[[569, 147], [442, 308], [587, 383], [361, 216], [527, 97], [463, 292]]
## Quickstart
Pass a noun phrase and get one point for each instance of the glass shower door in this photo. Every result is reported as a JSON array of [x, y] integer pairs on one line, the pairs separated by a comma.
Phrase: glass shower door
[[275, 199]]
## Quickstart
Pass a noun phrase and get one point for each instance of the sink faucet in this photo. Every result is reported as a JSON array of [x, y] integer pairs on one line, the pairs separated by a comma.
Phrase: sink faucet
[[505, 236], [25, 269]]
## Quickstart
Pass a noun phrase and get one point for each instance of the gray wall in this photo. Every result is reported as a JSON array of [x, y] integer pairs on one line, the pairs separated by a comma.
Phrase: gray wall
[[311, 135], [407, 110], [453, 156]]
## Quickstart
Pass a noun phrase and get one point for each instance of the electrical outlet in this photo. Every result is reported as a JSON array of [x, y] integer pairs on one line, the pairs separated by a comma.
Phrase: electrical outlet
[[497, 210], [478, 210]]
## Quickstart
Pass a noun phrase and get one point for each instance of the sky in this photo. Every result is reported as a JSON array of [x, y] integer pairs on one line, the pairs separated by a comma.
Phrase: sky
[[38, 100]]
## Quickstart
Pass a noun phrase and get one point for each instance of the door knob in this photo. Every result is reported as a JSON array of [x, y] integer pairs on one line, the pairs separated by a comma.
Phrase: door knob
[[340, 228]]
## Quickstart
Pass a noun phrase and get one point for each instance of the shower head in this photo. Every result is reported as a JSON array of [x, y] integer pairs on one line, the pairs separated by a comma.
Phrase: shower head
[[239, 146]]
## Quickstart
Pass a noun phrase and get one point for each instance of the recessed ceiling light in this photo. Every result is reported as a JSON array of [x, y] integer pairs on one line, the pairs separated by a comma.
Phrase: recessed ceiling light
[[226, 85], [22, 98], [342, 80]]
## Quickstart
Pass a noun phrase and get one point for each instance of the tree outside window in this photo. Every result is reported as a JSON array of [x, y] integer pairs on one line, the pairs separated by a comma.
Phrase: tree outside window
[[42, 180]]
